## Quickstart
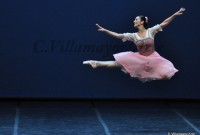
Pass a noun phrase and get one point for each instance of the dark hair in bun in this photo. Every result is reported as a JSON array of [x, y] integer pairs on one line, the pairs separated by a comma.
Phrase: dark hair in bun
[[145, 19]]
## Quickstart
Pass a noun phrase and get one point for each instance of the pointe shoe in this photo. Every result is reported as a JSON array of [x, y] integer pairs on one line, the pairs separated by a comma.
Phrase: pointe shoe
[[91, 62]]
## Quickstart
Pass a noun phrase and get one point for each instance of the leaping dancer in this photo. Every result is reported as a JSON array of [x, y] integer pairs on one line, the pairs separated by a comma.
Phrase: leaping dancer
[[146, 64]]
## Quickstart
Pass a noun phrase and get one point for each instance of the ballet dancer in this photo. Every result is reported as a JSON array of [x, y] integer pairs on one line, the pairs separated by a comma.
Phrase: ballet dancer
[[146, 64]]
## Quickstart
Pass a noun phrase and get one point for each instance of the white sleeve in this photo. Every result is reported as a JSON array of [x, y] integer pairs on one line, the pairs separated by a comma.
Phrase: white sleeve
[[155, 29], [128, 37]]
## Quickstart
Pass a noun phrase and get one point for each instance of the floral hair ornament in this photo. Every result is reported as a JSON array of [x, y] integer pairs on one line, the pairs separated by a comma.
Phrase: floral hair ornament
[[146, 19]]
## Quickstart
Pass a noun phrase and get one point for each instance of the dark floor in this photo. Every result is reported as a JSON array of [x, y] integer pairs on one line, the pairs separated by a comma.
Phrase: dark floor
[[99, 118]]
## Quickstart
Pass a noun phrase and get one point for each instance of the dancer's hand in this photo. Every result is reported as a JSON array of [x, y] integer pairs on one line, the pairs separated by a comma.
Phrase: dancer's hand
[[180, 12], [100, 28]]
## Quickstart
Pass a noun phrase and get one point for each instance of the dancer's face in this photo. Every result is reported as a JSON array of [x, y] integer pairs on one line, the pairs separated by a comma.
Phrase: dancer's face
[[137, 22]]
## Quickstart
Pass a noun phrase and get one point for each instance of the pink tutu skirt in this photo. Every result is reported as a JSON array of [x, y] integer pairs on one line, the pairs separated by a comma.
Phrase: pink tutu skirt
[[145, 68]]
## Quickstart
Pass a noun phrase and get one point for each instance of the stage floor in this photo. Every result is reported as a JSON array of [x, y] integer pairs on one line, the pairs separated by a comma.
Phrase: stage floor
[[99, 118]]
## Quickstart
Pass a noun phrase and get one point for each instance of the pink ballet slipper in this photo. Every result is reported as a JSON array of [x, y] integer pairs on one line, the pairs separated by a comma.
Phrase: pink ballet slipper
[[91, 63]]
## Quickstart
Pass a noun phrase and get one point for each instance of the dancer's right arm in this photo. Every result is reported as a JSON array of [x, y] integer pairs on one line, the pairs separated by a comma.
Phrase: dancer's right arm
[[113, 34]]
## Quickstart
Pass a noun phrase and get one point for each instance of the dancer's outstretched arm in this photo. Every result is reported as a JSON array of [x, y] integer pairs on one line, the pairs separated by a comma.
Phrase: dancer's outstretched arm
[[168, 20], [113, 34]]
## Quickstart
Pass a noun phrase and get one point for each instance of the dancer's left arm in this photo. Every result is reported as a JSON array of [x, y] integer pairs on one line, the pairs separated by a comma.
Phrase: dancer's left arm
[[168, 20]]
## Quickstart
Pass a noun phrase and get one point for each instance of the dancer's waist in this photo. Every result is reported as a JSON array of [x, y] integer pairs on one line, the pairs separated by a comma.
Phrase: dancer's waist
[[146, 53]]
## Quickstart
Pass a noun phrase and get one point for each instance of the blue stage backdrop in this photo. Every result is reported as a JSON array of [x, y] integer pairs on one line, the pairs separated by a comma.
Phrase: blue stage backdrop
[[43, 44]]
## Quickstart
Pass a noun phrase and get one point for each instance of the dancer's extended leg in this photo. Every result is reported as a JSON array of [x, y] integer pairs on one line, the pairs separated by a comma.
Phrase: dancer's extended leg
[[108, 64]]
